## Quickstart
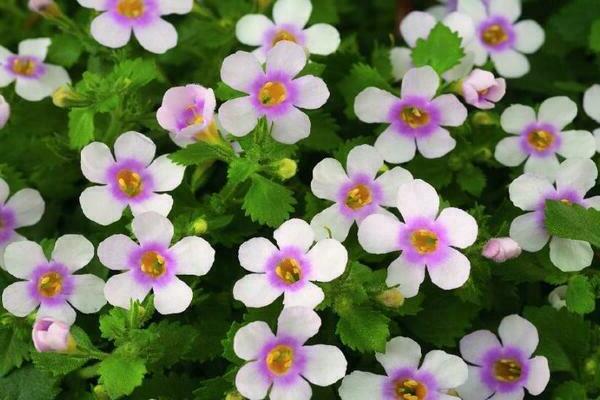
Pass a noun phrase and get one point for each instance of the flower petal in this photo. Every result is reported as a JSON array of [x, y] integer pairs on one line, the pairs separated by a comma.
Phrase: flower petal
[[361, 385], [450, 371], [407, 276], [120, 290], [570, 255], [452, 111], [401, 60], [322, 39], [416, 25], [474, 346], [577, 144], [17, 300], [152, 228], [474, 387], [27, 206], [530, 36], [158, 203], [4, 191], [325, 365], [526, 231], [194, 255], [108, 32], [250, 339], [309, 296], [476, 9], [539, 375], [61, 312], [251, 29], [254, 254], [379, 234], [255, 290], [158, 37], [395, 148], [96, 159], [328, 259], [299, 390], [452, 272], [559, 111], [591, 102], [509, 152], [461, 227], [286, 57], [418, 199], [517, 394], [312, 92], [516, 118], [578, 174], [291, 127], [294, 232], [74, 251], [422, 81], [173, 298], [330, 223], [178, 7], [251, 382], [21, 258], [510, 63], [516, 331], [238, 116], [166, 175], [133, 145], [296, 12], [328, 178], [88, 295], [99, 205], [510, 9], [400, 352], [390, 181], [365, 160], [436, 145], [115, 250], [527, 191], [240, 70], [546, 167], [35, 47], [373, 105], [298, 322]]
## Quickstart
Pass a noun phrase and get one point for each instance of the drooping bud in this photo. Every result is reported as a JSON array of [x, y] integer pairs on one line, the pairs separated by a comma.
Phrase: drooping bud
[[234, 396], [65, 97], [483, 118], [501, 249], [50, 335]]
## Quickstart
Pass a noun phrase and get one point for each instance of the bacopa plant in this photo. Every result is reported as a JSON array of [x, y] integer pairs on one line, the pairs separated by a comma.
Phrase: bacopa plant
[[299, 199]]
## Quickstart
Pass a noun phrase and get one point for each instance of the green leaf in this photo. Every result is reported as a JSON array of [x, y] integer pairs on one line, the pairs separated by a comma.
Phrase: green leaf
[[581, 298], [81, 127], [570, 390], [363, 329], [573, 222], [58, 364], [595, 36], [573, 21], [323, 132], [224, 92], [441, 50], [65, 50], [267, 202], [120, 375], [201, 152], [15, 344], [360, 77], [28, 384], [240, 170], [471, 180], [113, 325]]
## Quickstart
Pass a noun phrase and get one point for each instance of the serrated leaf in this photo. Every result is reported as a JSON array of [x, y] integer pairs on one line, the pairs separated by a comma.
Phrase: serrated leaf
[[14, 346], [81, 127], [240, 169], [472, 180], [573, 222], [28, 384], [441, 50], [113, 325], [323, 132], [363, 329], [120, 375], [201, 152], [267, 202], [57, 364], [581, 298]]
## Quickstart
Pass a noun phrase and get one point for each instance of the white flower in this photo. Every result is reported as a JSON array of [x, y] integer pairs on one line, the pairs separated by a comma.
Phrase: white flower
[[35, 79], [501, 37], [530, 192], [52, 284], [427, 238], [357, 193], [406, 377], [415, 120], [591, 105], [135, 179], [290, 18], [540, 138], [279, 365], [288, 268]]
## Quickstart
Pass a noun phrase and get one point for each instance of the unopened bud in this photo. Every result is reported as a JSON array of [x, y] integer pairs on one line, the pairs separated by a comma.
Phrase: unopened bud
[[558, 297], [50, 335], [483, 118], [285, 168], [234, 396], [100, 393], [392, 298], [591, 366], [47, 8], [65, 96], [501, 249], [263, 4], [199, 226]]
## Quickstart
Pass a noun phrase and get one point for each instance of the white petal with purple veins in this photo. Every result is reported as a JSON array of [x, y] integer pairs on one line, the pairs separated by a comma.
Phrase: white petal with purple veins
[[474, 387], [461, 227], [239, 70], [474, 346], [251, 382]]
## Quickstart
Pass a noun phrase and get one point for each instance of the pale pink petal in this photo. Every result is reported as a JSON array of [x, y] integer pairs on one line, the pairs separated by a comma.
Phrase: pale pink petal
[[437, 144], [539, 375], [21, 258], [527, 231], [361, 385], [400, 352], [325, 365], [27, 206], [474, 346], [88, 295], [527, 191], [194, 255], [238, 116], [240, 70], [299, 390], [255, 290], [449, 370], [452, 111], [35, 47], [62, 312], [166, 175], [418, 199], [516, 118], [422, 81], [390, 181], [509, 152], [328, 178], [173, 298], [158, 37], [291, 127], [373, 105], [254, 254], [394, 147], [516, 331], [286, 57], [312, 92], [96, 159], [17, 300], [73, 251], [110, 33], [461, 227], [115, 250], [120, 290], [158, 203], [250, 339], [251, 29], [251, 382], [416, 25], [407, 276], [328, 259], [133, 145]]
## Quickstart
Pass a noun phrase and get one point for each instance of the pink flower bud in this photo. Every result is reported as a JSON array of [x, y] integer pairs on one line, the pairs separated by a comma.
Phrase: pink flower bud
[[51, 335], [47, 8], [482, 90], [4, 112], [501, 249]]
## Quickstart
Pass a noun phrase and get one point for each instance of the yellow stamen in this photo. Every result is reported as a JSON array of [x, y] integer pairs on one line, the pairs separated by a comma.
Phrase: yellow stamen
[[280, 359], [424, 241], [540, 139], [358, 197], [272, 93], [131, 8], [283, 35], [130, 182], [50, 284], [410, 389], [289, 270], [24, 66], [153, 264], [494, 35], [414, 117], [507, 370]]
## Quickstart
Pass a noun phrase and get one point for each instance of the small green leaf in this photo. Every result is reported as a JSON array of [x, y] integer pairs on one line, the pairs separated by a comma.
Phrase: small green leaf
[[201, 152], [581, 298], [81, 127], [595, 36], [267, 202], [573, 222], [57, 364], [224, 92], [363, 329], [240, 170], [360, 77], [441, 50], [120, 375], [570, 390], [65, 50], [471, 180]]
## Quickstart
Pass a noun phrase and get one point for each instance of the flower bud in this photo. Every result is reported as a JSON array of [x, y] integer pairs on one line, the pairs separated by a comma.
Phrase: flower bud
[[501, 249], [482, 118], [47, 8], [482, 90], [263, 4], [4, 112], [285, 168], [392, 298], [234, 396], [52, 336], [199, 226], [65, 97], [558, 297]]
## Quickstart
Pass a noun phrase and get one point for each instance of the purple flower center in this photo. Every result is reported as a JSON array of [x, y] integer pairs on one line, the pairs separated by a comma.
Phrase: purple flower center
[[410, 384], [25, 66], [410, 389], [507, 370], [284, 35], [540, 139], [496, 33], [280, 359], [132, 9], [153, 264], [50, 284], [504, 369], [424, 241], [192, 115], [414, 116], [272, 94], [7, 224]]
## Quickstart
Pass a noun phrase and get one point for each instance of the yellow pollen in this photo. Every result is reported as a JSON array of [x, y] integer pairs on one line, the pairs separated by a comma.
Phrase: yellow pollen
[[494, 35], [507, 370], [272, 93], [153, 264], [131, 8], [540, 139], [210, 134], [410, 389], [50, 284], [289, 271], [24, 66], [424, 241], [280, 359], [414, 117], [130, 182], [358, 197], [283, 35], [566, 202]]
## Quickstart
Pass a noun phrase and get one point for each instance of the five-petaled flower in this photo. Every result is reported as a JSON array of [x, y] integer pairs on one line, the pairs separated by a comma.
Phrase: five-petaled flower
[[291, 16], [504, 369], [357, 193], [24, 208], [415, 119], [575, 177], [539, 139], [52, 284], [118, 18], [35, 79], [427, 240], [273, 93], [132, 180], [406, 377], [499, 36], [153, 264], [281, 364], [288, 268]]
